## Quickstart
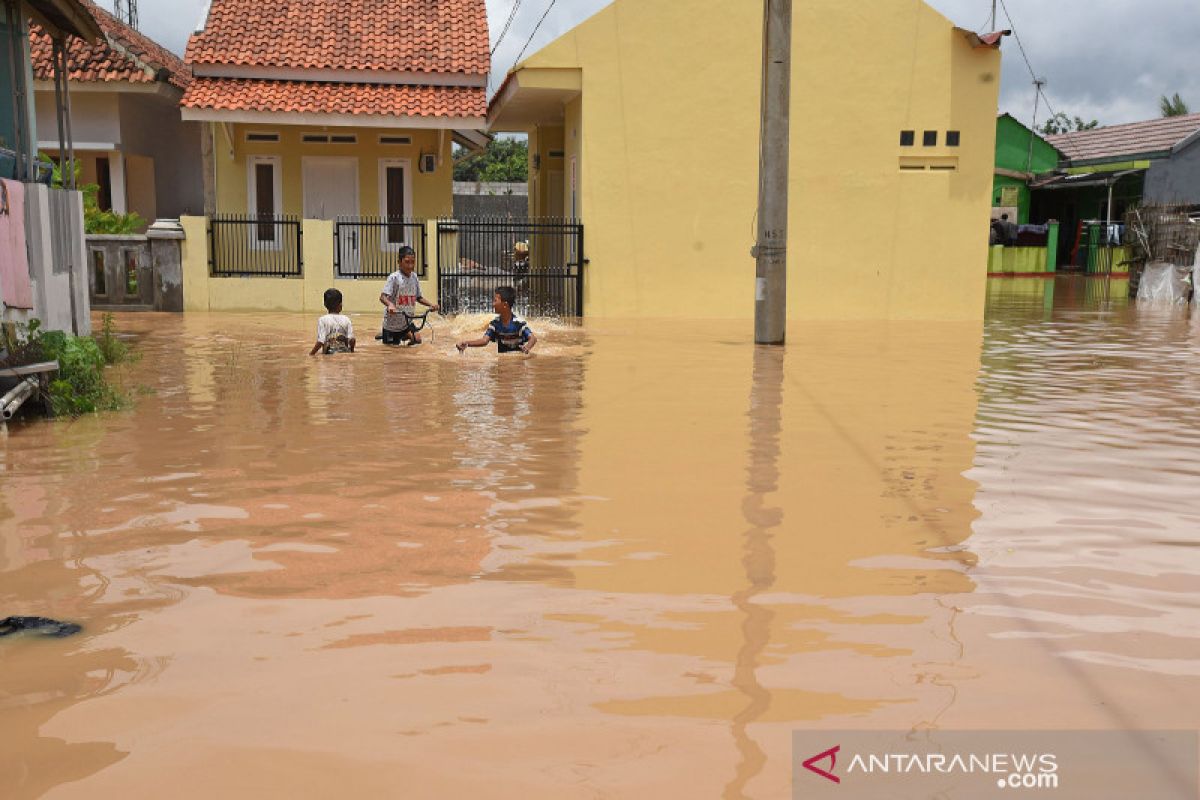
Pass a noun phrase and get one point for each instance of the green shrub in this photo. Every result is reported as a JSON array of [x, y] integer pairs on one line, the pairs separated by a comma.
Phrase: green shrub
[[80, 386]]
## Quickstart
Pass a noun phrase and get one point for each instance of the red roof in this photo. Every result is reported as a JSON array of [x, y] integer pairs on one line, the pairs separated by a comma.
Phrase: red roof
[[367, 99], [124, 55], [1131, 139], [433, 36]]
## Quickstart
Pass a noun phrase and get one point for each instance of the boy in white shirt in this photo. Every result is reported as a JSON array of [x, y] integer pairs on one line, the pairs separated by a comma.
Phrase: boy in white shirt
[[400, 295], [335, 332]]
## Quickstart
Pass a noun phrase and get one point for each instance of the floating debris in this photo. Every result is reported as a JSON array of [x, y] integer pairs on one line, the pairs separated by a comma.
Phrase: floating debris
[[42, 626]]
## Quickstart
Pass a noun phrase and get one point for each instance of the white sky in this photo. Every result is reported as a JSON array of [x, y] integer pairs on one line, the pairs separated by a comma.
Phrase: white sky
[[1104, 59]]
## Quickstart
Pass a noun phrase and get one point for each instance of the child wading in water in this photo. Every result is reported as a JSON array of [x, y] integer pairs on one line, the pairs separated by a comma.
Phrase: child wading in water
[[510, 334], [335, 332], [400, 295]]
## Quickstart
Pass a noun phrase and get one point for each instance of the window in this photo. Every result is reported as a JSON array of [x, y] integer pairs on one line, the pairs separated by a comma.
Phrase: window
[[104, 180], [344, 139], [395, 198], [952, 138], [395, 139], [325, 138], [930, 139], [131, 272], [265, 198], [908, 138], [252, 136], [99, 279]]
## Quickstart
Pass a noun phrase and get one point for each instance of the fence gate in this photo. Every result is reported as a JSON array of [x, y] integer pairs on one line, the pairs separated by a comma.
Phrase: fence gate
[[542, 258]]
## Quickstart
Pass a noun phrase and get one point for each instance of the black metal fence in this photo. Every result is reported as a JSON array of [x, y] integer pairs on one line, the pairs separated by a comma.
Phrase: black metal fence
[[263, 245], [367, 247], [542, 258]]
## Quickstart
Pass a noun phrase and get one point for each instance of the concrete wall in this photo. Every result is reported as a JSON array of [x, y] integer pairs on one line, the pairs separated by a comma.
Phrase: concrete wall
[[431, 192], [666, 138], [204, 293], [95, 118], [491, 205], [1177, 179], [57, 264], [151, 127]]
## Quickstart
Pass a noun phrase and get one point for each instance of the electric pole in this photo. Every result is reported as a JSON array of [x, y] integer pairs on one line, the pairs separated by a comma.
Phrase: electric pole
[[126, 11], [1038, 83], [993, 25], [770, 251]]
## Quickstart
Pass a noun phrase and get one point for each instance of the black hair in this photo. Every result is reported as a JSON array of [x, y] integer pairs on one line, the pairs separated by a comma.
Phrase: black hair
[[404, 250], [333, 299], [507, 294]]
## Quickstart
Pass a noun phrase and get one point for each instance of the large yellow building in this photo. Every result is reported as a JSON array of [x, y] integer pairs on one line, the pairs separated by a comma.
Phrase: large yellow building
[[643, 122]]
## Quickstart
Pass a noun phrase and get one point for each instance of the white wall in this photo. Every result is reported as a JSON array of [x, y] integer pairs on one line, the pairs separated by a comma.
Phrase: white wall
[[94, 118]]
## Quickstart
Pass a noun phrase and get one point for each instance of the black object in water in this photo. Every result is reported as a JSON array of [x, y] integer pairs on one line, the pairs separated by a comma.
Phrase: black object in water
[[39, 625]]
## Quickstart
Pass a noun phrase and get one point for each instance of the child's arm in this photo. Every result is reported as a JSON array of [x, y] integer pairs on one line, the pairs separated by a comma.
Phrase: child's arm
[[482, 341], [387, 301], [318, 347], [352, 340], [429, 305], [530, 343]]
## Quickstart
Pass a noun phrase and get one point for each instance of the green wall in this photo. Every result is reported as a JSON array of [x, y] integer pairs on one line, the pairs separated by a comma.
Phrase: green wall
[[1012, 153]]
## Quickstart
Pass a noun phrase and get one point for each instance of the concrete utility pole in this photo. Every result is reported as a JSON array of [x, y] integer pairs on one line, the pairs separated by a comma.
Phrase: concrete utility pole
[[770, 252]]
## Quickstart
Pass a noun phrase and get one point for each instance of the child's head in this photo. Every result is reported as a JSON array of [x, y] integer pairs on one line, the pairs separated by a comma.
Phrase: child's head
[[505, 299], [408, 259], [333, 301]]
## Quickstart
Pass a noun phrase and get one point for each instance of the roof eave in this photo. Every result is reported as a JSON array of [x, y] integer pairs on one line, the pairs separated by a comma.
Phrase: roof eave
[[333, 120]]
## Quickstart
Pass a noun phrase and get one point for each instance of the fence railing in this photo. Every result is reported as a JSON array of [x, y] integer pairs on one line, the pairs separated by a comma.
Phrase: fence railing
[[368, 247], [263, 245], [542, 258]]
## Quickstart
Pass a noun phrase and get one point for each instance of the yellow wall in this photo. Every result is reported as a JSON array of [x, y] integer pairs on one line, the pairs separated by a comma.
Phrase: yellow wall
[[669, 182], [542, 141], [1016, 260], [204, 293], [432, 192]]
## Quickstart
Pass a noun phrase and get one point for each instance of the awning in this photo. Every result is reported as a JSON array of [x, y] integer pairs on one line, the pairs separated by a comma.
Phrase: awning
[[66, 17], [533, 96], [1084, 179]]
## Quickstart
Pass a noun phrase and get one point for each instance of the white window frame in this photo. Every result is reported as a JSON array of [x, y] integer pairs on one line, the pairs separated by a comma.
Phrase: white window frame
[[384, 163], [252, 163]]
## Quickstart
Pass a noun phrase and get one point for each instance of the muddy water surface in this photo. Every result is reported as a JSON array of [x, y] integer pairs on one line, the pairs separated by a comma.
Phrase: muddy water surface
[[629, 566]]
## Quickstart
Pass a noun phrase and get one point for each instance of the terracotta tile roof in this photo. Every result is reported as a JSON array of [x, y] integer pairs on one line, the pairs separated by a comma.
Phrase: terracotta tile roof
[[124, 55], [367, 99], [1131, 139], [446, 36]]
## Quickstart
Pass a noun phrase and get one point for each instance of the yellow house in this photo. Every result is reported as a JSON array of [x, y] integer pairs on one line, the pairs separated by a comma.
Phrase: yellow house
[[341, 111], [643, 122]]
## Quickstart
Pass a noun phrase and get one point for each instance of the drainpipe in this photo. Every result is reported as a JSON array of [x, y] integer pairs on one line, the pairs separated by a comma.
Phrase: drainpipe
[[56, 52]]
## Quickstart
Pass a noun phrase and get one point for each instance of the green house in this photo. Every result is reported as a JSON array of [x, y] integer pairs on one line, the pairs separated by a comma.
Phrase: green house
[[1016, 164]]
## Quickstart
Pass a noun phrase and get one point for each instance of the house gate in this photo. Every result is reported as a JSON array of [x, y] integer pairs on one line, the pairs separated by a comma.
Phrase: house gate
[[542, 258]]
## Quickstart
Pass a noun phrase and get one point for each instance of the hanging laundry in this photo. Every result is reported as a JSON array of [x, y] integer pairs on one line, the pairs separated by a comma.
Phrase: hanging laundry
[[15, 288]]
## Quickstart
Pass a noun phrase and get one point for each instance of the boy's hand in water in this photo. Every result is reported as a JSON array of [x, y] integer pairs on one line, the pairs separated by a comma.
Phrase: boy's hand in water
[[526, 348], [461, 346]]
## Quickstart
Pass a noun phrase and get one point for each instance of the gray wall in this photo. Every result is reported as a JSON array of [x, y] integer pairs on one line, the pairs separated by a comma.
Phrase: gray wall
[[151, 126], [1177, 179], [491, 205]]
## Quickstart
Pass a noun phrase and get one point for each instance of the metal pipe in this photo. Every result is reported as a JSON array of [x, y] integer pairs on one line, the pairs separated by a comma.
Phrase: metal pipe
[[57, 46], [16, 396], [66, 82]]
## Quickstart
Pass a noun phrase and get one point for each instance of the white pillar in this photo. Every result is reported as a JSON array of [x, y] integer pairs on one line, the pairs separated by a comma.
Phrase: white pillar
[[116, 177]]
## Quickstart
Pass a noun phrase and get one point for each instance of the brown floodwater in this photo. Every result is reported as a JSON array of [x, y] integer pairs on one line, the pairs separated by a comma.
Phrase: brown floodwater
[[629, 566]]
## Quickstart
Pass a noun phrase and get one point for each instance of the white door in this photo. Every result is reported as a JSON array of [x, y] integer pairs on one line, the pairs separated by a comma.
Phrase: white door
[[331, 191]]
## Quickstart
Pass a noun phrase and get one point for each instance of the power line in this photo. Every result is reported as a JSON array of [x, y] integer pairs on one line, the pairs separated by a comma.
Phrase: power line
[[507, 24], [535, 30], [1038, 82]]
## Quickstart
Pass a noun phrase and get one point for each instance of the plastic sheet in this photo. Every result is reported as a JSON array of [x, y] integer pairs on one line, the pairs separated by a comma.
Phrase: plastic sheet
[[1164, 284]]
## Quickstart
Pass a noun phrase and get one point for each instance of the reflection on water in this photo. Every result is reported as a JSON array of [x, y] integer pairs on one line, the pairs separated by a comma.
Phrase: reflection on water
[[629, 566]]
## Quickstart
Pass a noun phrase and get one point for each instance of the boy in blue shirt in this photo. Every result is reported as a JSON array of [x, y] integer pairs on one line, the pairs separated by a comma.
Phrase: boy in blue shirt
[[510, 334]]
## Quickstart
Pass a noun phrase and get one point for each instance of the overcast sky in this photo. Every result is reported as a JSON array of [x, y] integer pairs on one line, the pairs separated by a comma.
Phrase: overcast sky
[[1103, 59]]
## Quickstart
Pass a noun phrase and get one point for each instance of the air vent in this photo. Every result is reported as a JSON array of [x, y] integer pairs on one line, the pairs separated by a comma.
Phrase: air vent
[[315, 138], [395, 140], [262, 137], [556, 154], [344, 139]]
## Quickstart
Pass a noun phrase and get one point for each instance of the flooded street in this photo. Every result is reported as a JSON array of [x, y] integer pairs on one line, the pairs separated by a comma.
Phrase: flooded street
[[628, 566]]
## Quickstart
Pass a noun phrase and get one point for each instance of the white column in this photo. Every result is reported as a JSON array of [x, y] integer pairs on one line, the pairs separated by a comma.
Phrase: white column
[[116, 176]]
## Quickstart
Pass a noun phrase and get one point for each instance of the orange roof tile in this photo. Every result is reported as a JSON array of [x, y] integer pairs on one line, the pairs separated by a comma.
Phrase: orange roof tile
[[308, 97], [435, 36], [124, 55]]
